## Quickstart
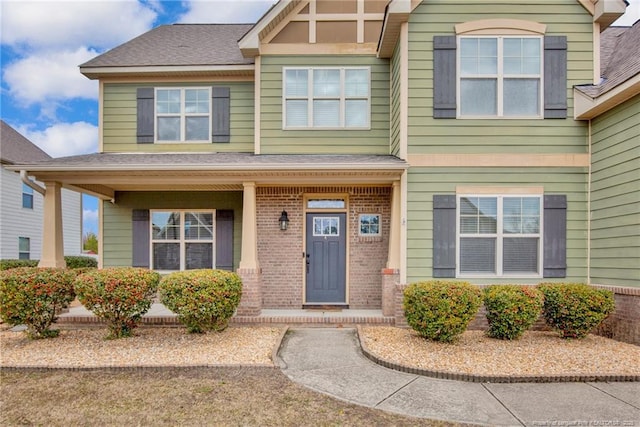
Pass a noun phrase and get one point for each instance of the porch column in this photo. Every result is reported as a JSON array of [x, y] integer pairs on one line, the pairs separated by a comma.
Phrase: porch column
[[391, 274], [249, 270], [52, 240]]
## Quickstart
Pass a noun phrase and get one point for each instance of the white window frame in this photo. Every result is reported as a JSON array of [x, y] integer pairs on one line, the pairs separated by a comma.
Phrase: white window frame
[[500, 76], [182, 115], [499, 236], [379, 233], [310, 98], [20, 252], [182, 241], [27, 191]]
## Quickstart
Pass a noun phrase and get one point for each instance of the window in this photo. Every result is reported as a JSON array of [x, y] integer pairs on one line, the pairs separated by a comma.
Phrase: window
[[500, 76], [24, 248], [326, 226], [27, 196], [326, 98], [499, 235], [183, 114], [370, 225], [182, 240]]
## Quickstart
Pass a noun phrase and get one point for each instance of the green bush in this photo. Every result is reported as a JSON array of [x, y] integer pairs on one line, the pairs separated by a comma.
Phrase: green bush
[[72, 262], [441, 310], [8, 264], [120, 296], [511, 309], [202, 299], [574, 309], [33, 296], [81, 262]]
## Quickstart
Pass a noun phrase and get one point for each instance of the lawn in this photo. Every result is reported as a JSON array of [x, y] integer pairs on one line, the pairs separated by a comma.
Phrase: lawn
[[250, 396]]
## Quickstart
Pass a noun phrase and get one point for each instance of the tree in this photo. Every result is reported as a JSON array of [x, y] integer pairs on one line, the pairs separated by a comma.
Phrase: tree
[[90, 242]]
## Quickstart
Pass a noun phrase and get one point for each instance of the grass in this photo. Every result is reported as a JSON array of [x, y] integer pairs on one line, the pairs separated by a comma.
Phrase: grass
[[177, 396]]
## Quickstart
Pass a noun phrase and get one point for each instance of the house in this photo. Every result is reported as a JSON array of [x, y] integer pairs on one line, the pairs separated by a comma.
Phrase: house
[[21, 209], [334, 151]]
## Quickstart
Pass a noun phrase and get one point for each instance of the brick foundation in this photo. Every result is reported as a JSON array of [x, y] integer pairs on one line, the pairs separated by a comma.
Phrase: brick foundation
[[251, 301]]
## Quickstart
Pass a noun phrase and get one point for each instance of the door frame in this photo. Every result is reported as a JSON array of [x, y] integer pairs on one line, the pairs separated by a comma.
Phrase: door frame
[[305, 210]]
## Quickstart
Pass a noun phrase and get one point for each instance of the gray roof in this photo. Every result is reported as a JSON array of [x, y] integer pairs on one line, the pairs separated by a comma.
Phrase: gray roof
[[213, 161], [619, 58], [179, 45], [15, 148]]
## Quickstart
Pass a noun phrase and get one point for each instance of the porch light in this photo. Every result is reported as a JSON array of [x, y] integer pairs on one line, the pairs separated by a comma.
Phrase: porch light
[[284, 221]]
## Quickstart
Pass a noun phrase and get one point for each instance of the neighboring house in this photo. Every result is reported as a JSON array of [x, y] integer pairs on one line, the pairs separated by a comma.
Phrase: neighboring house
[[21, 208], [401, 140]]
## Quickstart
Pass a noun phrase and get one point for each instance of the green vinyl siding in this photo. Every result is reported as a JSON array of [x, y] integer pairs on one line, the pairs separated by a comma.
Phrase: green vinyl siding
[[539, 136], [120, 109], [395, 101], [117, 222], [275, 140], [423, 183], [615, 196]]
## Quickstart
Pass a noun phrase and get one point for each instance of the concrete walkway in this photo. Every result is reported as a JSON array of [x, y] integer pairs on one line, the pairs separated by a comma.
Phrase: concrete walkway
[[330, 361]]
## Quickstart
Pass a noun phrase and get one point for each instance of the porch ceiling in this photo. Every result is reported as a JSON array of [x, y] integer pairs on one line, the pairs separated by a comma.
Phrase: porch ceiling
[[105, 173]]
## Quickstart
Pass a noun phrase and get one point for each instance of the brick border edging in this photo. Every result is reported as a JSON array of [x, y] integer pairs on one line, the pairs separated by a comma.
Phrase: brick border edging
[[489, 378], [125, 368]]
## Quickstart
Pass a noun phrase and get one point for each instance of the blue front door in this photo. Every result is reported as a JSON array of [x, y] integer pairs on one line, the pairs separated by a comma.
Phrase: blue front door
[[326, 258]]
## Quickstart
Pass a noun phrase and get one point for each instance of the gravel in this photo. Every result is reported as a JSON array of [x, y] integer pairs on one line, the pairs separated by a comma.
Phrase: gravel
[[534, 354]]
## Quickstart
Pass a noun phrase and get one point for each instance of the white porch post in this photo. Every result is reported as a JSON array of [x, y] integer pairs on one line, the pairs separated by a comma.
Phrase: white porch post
[[52, 239], [249, 269], [391, 274]]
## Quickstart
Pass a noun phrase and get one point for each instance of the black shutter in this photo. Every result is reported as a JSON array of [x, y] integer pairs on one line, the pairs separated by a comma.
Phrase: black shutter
[[220, 121], [224, 240], [140, 233], [555, 236], [444, 77], [444, 236], [555, 77], [145, 115]]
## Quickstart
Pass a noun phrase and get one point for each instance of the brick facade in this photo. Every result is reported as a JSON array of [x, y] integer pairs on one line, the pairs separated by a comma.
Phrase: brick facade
[[280, 253]]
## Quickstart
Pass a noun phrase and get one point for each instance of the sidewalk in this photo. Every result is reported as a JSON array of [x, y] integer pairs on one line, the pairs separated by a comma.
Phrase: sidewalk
[[330, 361]]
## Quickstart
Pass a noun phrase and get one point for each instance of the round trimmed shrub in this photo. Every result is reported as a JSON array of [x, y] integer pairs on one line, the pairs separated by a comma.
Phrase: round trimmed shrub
[[511, 309], [33, 296], [575, 309], [202, 299], [441, 310], [120, 296]]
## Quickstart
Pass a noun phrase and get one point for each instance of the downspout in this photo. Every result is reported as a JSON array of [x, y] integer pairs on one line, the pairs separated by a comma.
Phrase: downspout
[[25, 178], [589, 210]]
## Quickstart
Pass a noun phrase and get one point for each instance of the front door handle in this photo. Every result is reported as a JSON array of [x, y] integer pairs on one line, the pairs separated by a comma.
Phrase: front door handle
[[308, 262]]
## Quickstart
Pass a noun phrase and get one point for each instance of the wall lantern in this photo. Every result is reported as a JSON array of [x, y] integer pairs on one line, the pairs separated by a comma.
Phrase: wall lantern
[[284, 221]]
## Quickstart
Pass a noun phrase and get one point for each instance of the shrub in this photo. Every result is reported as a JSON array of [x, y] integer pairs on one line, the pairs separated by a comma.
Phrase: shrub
[[574, 309], [441, 310], [120, 296], [511, 309], [33, 296], [202, 299], [81, 262], [8, 264]]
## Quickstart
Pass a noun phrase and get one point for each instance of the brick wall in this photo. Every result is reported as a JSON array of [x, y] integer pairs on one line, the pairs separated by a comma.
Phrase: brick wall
[[280, 252]]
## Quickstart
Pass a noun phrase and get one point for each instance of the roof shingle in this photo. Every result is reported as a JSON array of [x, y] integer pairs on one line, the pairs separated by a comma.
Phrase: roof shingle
[[15, 148]]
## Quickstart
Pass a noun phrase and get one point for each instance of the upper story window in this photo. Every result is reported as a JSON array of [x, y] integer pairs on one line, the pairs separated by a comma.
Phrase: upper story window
[[27, 196], [183, 114], [499, 235], [326, 98], [500, 76]]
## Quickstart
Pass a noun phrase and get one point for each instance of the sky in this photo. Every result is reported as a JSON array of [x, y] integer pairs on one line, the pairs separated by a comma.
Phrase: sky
[[42, 93]]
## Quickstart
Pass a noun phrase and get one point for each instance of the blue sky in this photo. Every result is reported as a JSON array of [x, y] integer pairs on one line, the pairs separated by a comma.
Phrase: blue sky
[[43, 95]]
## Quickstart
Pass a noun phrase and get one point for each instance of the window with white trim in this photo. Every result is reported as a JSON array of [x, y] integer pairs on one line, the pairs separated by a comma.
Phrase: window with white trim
[[326, 98], [369, 225], [24, 248], [183, 114], [182, 240], [499, 235], [27, 196], [500, 76]]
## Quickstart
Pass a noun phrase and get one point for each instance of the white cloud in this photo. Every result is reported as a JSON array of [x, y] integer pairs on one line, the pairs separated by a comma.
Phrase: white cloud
[[225, 11], [90, 215], [631, 15], [64, 139], [50, 76], [50, 23]]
